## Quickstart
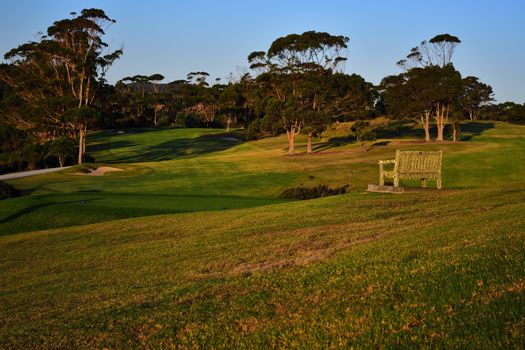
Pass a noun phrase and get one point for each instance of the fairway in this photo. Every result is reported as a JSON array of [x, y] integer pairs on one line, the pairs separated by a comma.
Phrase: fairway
[[214, 173], [180, 175], [190, 247]]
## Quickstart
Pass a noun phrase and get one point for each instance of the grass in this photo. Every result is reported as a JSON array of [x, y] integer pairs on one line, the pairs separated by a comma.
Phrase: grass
[[441, 269]]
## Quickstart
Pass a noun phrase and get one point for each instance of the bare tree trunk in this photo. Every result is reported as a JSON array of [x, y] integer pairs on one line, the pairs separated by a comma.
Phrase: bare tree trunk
[[61, 161], [154, 117], [291, 141], [426, 125], [454, 131], [440, 130], [81, 146], [440, 121], [309, 143], [228, 122], [84, 142]]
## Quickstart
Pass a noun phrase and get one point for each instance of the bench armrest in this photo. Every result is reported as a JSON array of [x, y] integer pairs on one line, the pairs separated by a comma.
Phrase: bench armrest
[[391, 161]]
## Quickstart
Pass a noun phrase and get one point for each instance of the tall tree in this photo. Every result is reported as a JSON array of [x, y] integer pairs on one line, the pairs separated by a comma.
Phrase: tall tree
[[287, 70], [474, 96], [437, 51], [232, 103], [61, 72], [423, 93]]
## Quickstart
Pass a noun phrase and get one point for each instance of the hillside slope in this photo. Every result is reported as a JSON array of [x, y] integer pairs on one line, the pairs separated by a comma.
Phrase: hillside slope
[[440, 269]]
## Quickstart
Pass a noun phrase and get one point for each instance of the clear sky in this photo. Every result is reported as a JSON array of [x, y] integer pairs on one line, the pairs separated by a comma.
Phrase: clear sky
[[174, 37]]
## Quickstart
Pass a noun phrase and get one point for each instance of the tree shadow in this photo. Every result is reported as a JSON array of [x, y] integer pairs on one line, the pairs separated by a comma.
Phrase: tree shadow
[[409, 129], [35, 207], [173, 149], [402, 128], [471, 129], [333, 142], [109, 145]]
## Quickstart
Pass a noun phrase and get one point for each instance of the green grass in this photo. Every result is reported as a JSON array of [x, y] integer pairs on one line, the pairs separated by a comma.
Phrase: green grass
[[437, 270]]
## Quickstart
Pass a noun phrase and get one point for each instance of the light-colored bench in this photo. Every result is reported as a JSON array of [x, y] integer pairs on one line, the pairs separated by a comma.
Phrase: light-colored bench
[[411, 165]]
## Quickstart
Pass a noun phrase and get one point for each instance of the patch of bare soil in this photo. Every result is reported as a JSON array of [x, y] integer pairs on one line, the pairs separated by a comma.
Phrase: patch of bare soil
[[100, 171]]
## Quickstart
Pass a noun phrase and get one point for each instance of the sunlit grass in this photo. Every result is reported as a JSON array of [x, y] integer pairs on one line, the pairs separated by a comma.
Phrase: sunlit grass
[[227, 265]]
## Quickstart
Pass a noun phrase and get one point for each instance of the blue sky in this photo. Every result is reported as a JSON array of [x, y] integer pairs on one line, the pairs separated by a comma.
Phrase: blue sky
[[179, 36]]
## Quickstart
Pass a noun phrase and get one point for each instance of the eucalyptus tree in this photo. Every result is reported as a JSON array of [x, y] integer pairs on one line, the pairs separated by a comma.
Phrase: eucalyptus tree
[[232, 103], [286, 72], [424, 93], [157, 101], [437, 51], [407, 95], [57, 76], [198, 78], [474, 96], [446, 92]]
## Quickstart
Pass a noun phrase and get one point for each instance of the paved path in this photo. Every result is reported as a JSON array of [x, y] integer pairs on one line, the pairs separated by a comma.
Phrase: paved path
[[30, 173]]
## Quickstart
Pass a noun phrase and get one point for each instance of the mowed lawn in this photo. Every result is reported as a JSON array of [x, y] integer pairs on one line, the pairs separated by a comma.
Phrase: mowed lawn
[[440, 269]]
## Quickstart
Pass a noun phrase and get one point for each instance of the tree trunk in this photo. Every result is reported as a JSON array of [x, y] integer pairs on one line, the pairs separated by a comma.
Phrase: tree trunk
[[84, 142], [441, 120], [61, 161], [426, 125], [454, 131], [291, 141], [81, 146], [228, 122], [154, 117], [309, 143], [440, 129]]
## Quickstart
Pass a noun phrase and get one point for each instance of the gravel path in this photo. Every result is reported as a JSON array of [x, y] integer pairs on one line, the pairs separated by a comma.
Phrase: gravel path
[[30, 173]]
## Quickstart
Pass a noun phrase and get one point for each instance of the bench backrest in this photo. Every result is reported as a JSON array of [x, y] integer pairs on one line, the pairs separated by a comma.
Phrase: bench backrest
[[418, 164]]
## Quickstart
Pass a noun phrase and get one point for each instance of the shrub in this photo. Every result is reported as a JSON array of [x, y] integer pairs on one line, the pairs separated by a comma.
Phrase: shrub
[[8, 191], [88, 158], [302, 192], [363, 131]]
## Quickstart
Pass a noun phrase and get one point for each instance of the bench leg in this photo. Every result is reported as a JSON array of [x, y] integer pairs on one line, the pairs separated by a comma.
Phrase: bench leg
[[438, 183], [396, 181], [423, 182], [381, 175]]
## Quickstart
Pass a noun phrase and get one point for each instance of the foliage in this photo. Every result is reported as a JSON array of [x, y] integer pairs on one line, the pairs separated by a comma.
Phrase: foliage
[[507, 111], [474, 96], [363, 131], [436, 51], [8, 191], [63, 148], [302, 192], [301, 87], [60, 72]]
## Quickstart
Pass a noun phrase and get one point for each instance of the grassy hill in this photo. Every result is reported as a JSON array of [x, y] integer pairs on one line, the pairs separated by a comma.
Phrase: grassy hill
[[229, 265]]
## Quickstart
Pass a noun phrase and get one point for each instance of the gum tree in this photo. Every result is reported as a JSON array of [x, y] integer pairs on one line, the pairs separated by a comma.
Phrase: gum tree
[[58, 76], [286, 72]]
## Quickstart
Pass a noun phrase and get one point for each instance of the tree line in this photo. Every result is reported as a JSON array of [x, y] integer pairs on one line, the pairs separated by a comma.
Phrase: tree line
[[53, 91]]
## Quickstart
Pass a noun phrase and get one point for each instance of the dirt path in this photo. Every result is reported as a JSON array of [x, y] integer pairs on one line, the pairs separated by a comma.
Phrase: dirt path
[[30, 173]]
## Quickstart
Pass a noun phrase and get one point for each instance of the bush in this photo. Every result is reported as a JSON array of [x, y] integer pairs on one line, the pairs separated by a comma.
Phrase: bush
[[363, 131], [302, 192], [88, 158], [253, 131], [8, 191]]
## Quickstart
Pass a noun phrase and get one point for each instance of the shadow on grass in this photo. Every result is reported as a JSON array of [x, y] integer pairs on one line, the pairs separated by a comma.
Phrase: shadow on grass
[[334, 142], [35, 207], [409, 129], [470, 129], [109, 145], [173, 149]]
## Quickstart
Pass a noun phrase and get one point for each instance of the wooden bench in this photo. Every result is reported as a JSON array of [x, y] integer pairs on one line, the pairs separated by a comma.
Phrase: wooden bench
[[410, 165]]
